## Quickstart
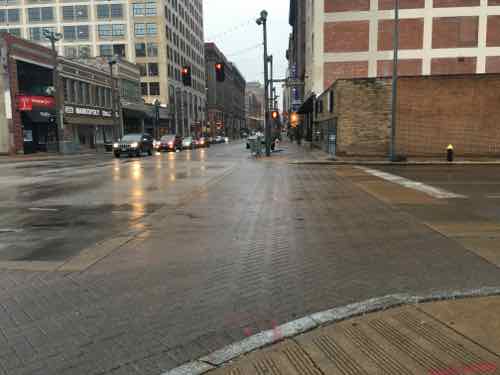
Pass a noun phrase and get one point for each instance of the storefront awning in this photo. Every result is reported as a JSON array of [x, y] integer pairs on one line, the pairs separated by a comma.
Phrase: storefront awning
[[308, 105]]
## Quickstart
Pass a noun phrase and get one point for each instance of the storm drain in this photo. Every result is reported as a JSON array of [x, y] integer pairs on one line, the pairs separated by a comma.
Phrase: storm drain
[[402, 341]]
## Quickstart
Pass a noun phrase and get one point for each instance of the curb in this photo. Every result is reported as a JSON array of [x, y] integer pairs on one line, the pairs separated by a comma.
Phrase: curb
[[291, 329], [386, 163]]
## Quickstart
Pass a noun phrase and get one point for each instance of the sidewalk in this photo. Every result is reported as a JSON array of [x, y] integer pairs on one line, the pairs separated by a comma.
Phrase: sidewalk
[[319, 156], [391, 335], [43, 156]]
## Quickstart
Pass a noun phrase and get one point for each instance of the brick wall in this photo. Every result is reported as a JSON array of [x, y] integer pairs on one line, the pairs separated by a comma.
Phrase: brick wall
[[411, 34], [436, 111], [432, 112], [348, 36], [403, 4], [456, 3], [454, 32], [348, 69], [346, 5], [408, 67], [362, 109], [15, 125], [453, 65]]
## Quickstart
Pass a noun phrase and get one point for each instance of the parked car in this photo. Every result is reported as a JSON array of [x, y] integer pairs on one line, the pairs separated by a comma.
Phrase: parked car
[[134, 145], [203, 142], [188, 142], [170, 142], [219, 139]]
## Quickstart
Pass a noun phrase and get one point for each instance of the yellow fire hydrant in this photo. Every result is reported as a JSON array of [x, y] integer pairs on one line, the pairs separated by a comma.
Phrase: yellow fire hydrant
[[449, 152]]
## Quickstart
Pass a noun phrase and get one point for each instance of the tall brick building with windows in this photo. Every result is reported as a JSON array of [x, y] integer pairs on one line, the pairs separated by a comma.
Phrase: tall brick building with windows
[[353, 38]]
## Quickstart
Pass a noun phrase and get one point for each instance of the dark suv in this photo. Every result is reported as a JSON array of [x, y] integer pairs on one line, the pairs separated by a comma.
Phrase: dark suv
[[170, 142], [134, 145]]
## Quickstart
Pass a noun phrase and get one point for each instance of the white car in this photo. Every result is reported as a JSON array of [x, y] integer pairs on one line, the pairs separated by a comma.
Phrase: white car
[[188, 143]]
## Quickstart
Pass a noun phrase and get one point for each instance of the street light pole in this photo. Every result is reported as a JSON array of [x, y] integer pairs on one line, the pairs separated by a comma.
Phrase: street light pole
[[157, 119], [114, 108], [263, 21], [54, 37], [271, 88], [394, 81]]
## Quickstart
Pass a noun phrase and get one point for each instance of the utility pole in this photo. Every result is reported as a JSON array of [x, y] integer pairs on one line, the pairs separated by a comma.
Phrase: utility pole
[[395, 42], [271, 83], [54, 37], [263, 21]]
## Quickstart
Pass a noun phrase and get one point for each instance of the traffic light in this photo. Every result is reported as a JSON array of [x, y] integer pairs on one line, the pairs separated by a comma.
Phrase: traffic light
[[186, 75], [275, 115], [220, 73]]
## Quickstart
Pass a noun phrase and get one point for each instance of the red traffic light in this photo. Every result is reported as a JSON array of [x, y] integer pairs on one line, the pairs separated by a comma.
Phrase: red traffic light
[[220, 74], [185, 71]]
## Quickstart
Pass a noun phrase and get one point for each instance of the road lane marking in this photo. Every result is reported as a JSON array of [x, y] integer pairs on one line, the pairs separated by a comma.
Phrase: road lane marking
[[419, 186], [43, 209], [493, 196], [10, 230]]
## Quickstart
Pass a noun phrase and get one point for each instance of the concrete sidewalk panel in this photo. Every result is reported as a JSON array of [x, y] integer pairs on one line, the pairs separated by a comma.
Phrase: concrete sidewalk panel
[[284, 358], [478, 320]]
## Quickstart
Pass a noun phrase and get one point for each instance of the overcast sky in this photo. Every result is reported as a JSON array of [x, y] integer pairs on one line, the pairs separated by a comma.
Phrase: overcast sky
[[231, 25]]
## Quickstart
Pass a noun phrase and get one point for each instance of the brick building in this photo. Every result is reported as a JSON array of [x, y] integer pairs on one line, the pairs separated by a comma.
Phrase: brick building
[[353, 116], [28, 110], [353, 38], [225, 100]]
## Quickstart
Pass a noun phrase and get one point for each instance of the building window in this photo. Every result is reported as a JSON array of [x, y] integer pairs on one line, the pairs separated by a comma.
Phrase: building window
[[144, 89], [142, 69], [9, 15], [75, 12], [154, 88], [151, 28], [76, 32], [139, 29], [108, 31], [15, 31], [112, 50], [140, 50], [144, 9], [152, 49], [153, 69], [40, 14], [36, 33], [142, 29], [110, 11], [71, 52]]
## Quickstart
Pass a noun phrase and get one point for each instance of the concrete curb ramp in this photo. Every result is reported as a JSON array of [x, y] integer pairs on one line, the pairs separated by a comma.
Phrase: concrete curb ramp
[[283, 351]]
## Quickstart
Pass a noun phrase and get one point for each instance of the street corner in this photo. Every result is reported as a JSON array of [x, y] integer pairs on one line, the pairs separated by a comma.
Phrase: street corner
[[432, 338]]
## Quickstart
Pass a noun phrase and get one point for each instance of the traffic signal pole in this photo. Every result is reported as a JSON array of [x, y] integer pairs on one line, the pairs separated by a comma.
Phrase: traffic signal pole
[[263, 21]]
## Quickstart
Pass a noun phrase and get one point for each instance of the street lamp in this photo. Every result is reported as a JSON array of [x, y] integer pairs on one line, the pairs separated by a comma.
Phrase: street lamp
[[114, 108], [54, 37], [157, 119], [262, 20], [395, 42]]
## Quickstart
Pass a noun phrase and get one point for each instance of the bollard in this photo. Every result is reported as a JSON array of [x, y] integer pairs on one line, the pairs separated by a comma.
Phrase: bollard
[[449, 153]]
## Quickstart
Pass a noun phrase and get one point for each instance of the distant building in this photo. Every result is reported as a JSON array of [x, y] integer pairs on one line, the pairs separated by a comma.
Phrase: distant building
[[334, 39], [225, 100], [94, 110], [254, 103], [160, 36]]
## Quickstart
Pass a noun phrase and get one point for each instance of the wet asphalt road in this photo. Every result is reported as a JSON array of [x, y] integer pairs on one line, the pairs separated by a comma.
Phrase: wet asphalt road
[[479, 184], [50, 210], [268, 243]]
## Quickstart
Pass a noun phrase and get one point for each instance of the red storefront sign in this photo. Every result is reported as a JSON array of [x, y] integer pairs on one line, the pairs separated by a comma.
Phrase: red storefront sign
[[27, 102]]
